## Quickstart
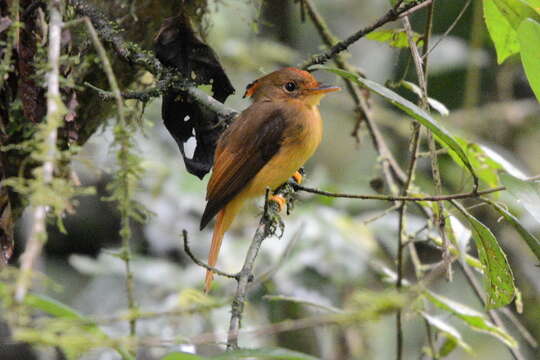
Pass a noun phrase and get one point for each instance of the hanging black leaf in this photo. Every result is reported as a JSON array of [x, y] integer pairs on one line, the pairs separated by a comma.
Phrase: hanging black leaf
[[177, 46]]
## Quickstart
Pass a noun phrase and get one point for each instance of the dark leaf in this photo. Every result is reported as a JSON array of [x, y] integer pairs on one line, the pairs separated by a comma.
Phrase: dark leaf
[[177, 46]]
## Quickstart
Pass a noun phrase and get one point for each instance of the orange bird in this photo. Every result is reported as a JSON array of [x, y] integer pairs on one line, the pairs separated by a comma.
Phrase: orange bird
[[264, 146]]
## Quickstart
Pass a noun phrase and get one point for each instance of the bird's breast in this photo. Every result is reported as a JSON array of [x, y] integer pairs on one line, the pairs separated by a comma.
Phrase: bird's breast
[[304, 134]]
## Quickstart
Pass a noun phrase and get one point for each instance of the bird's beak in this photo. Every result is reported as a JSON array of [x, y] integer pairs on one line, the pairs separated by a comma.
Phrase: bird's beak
[[323, 89]]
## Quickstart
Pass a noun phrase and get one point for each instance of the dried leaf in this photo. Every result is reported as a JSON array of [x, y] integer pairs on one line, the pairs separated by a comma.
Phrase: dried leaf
[[177, 46]]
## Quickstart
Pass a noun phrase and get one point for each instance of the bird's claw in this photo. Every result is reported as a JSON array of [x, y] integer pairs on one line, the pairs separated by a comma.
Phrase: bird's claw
[[280, 200]]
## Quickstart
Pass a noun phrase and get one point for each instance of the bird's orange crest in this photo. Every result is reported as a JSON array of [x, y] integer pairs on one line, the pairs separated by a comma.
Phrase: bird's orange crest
[[250, 89]]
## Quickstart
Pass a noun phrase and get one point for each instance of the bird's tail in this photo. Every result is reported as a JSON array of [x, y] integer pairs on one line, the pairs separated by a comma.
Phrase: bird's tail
[[224, 220], [217, 238]]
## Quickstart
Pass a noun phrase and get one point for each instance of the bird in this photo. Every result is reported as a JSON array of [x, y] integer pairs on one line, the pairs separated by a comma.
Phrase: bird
[[263, 147]]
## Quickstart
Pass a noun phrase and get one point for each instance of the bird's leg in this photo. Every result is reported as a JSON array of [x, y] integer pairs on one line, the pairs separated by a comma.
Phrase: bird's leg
[[273, 214], [298, 176]]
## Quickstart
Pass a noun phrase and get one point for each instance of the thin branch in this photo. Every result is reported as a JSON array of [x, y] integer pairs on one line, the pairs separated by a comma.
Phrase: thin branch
[[414, 145], [54, 118], [429, 198], [438, 215], [391, 15], [224, 112], [203, 264], [415, 9], [267, 226]]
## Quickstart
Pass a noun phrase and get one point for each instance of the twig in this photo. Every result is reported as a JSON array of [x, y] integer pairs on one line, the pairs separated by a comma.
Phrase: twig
[[415, 9], [429, 198], [438, 215], [265, 229], [348, 317], [203, 264], [415, 145], [224, 112], [54, 118], [391, 15], [149, 314]]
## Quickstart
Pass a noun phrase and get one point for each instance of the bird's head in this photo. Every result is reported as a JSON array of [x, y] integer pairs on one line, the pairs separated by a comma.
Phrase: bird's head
[[288, 84]]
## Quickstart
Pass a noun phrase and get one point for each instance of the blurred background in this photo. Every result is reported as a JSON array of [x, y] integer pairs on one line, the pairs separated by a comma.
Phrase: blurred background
[[333, 251]]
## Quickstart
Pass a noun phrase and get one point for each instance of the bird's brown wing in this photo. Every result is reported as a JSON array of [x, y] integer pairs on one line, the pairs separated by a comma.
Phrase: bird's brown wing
[[243, 149]]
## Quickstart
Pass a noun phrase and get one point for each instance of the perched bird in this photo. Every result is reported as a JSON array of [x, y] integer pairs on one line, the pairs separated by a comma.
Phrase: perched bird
[[264, 146]]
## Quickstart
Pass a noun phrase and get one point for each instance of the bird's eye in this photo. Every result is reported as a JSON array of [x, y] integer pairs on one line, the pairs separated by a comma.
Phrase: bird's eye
[[290, 86]]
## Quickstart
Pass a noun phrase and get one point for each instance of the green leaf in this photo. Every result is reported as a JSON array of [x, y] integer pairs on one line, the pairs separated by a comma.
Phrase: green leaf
[[408, 107], [530, 239], [448, 331], [498, 277], [500, 162], [52, 307], [447, 347], [264, 353], [516, 11], [59, 310], [484, 166], [434, 104], [395, 37], [526, 193], [529, 39], [471, 317], [182, 356], [503, 35]]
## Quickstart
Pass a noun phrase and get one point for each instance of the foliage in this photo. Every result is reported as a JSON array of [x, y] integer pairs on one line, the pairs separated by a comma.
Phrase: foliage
[[514, 27], [319, 286]]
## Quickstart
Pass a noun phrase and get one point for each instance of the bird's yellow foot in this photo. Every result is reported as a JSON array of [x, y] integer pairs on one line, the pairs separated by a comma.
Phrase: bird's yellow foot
[[280, 200], [297, 176]]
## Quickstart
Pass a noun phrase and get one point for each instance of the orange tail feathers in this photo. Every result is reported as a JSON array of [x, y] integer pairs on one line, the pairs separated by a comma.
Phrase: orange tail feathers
[[217, 238], [224, 219]]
